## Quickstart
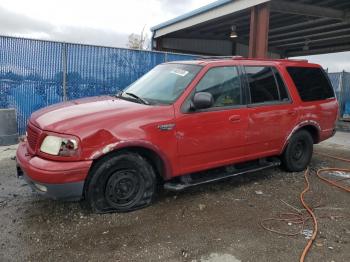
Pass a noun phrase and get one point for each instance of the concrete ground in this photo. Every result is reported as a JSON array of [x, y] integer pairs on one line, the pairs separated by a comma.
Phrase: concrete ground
[[213, 223]]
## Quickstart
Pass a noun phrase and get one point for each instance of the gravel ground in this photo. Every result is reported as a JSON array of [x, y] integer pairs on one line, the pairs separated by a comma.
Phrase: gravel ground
[[213, 223]]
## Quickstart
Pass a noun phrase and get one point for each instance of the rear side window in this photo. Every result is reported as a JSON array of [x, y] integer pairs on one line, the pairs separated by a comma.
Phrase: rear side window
[[265, 84], [312, 83]]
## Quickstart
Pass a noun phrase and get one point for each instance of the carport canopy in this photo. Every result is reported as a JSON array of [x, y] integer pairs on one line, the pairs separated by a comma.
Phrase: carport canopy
[[262, 28]]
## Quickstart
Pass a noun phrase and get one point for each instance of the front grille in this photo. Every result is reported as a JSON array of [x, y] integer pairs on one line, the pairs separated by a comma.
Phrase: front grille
[[32, 137]]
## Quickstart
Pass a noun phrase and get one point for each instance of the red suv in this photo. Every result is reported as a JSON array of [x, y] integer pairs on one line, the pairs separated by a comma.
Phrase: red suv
[[180, 125]]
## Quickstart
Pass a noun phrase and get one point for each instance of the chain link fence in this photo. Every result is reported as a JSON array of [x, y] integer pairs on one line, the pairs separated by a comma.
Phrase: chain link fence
[[35, 73], [341, 85]]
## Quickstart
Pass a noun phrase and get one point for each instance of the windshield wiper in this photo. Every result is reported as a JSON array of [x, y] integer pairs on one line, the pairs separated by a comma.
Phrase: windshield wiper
[[140, 99], [120, 95]]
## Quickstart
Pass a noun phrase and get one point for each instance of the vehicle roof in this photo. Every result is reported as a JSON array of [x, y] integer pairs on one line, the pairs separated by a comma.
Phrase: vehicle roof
[[227, 60]]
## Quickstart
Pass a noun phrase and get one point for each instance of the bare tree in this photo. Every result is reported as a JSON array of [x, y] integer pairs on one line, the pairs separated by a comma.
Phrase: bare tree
[[138, 41]]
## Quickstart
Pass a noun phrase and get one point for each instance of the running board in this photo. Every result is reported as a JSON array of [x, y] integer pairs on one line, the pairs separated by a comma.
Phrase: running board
[[187, 181]]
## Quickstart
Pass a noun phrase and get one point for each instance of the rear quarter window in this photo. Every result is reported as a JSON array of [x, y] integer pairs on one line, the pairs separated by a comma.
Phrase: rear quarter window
[[312, 83]]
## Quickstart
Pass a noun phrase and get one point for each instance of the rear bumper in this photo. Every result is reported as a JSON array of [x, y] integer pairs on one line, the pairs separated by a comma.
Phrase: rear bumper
[[56, 180], [325, 134]]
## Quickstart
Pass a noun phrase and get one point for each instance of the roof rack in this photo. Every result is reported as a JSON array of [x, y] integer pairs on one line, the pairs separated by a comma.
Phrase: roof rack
[[244, 58], [297, 60], [217, 57]]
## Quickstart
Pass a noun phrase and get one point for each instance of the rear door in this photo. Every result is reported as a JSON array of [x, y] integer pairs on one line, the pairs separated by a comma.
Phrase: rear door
[[214, 136], [272, 114]]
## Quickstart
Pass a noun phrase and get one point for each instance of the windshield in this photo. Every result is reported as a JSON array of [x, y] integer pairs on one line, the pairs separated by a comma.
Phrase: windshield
[[163, 84]]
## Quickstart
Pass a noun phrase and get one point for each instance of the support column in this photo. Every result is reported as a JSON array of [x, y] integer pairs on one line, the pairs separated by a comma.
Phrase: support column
[[259, 31], [159, 46]]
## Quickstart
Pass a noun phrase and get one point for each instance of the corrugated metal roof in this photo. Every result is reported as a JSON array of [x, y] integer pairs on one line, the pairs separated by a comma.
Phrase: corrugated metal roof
[[192, 13]]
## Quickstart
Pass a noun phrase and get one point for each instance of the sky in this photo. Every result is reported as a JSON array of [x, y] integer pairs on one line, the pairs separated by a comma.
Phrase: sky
[[102, 22], [106, 22], [335, 62]]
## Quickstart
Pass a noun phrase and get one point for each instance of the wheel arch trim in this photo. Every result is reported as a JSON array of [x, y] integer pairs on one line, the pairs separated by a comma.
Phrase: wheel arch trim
[[114, 147], [299, 126]]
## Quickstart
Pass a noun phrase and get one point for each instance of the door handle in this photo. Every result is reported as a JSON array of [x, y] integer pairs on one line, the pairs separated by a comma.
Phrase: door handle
[[235, 118]]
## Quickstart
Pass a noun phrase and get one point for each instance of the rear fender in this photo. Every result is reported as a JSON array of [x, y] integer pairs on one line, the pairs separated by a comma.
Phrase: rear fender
[[298, 127]]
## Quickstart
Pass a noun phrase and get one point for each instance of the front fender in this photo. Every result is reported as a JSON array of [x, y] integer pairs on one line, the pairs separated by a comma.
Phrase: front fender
[[119, 145]]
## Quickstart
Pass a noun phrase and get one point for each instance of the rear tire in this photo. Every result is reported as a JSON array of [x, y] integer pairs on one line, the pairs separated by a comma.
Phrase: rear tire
[[121, 183], [298, 153]]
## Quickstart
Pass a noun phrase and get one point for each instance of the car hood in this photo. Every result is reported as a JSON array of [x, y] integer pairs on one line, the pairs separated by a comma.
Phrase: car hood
[[70, 117]]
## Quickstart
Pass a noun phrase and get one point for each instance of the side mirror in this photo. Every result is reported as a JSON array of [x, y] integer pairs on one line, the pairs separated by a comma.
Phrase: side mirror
[[202, 100]]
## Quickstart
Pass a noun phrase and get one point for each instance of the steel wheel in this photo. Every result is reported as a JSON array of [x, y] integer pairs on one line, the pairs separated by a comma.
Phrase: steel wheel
[[123, 188], [121, 182], [298, 152]]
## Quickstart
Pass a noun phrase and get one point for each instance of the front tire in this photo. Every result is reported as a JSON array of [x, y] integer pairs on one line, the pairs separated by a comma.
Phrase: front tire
[[121, 183], [298, 152]]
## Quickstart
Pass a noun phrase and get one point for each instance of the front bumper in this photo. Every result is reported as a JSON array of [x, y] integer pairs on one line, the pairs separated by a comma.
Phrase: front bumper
[[54, 179]]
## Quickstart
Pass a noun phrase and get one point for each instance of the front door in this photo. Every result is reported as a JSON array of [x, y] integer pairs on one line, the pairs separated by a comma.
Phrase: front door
[[214, 136]]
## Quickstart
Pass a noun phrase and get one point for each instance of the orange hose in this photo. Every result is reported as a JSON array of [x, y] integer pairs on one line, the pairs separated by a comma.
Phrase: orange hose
[[298, 218], [294, 218], [334, 183], [329, 181], [334, 157], [309, 210]]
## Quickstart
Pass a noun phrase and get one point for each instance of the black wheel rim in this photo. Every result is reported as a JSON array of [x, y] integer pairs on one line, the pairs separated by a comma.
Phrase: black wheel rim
[[298, 150], [123, 188]]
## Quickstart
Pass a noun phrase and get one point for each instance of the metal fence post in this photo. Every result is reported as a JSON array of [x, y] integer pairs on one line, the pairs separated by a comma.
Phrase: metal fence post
[[64, 71], [341, 89]]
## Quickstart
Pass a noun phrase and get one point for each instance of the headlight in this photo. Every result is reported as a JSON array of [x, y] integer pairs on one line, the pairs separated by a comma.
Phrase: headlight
[[59, 146]]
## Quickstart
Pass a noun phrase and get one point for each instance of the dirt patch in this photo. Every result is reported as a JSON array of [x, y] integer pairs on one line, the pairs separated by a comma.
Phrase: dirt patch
[[216, 222]]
